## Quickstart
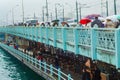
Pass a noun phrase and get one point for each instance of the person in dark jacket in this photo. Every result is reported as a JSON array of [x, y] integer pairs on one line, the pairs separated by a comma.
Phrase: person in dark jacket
[[56, 62], [86, 75], [96, 73], [97, 23]]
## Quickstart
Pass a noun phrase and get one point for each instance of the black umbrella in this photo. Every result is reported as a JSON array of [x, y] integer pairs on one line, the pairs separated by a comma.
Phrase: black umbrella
[[55, 20]]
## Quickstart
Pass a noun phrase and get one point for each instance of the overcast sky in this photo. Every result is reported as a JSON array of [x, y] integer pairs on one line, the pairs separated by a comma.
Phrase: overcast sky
[[35, 6]]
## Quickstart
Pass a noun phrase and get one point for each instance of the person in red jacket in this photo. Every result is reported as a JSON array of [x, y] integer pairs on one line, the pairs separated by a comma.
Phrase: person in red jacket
[[40, 57]]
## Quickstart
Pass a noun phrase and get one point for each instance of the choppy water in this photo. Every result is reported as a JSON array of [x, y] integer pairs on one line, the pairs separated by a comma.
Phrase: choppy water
[[12, 69]]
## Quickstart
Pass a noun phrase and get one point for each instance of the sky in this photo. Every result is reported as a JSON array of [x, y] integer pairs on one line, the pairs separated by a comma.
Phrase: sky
[[34, 7]]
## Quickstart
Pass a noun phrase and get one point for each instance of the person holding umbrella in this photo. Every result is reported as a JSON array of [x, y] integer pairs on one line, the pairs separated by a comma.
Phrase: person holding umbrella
[[84, 21], [97, 23]]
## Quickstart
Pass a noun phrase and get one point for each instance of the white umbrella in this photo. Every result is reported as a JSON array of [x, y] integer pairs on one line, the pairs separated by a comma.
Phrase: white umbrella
[[101, 18], [113, 18]]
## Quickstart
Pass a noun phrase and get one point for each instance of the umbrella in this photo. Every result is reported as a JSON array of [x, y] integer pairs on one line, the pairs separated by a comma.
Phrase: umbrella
[[55, 20], [92, 16], [64, 23], [118, 17], [113, 18], [84, 21], [101, 18]]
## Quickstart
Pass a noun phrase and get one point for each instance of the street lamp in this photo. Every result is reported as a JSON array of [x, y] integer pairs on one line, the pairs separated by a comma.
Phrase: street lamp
[[43, 13], [13, 13], [80, 7], [106, 7], [115, 11], [56, 11], [7, 15], [77, 11], [62, 10], [47, 14], [23, 10]]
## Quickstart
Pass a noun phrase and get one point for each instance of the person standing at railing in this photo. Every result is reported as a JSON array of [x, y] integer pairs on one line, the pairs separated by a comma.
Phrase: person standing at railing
[[96, 73], [34, 53], [87, 75], [118, 24], [39, 56], [56, 62], [110, 24], [97, 23]]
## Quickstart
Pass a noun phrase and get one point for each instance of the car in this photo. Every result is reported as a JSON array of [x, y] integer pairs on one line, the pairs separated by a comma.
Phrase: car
[[32, 22], [72, 22]]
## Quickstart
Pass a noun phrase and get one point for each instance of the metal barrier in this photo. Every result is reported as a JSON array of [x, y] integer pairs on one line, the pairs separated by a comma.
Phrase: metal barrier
[[57, 74], [97, 43]]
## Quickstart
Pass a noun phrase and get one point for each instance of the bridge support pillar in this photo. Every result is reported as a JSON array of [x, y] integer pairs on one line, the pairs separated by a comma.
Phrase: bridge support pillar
[[117, 47], [64, 38], [93, 44], [54, 33], [76, 41]]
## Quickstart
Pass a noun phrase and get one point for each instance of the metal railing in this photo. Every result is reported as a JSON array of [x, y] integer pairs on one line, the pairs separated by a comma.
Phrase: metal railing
[[57, 74], [97, 43]]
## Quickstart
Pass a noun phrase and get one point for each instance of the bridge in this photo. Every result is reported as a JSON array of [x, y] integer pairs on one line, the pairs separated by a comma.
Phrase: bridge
[[101, 44], [96, 43]]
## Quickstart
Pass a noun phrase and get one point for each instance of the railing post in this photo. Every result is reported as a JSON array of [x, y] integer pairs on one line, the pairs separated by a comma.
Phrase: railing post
[[69, 77], [27, 57], [93, 44], [36, 34], [46, 35], [51, 70], [54, 32], [33, 29], [45, 67], [35, 62], [40, 64], [64, 38], [117, 47], [30, 32], [59, 74], [41, 36], [76, 41]]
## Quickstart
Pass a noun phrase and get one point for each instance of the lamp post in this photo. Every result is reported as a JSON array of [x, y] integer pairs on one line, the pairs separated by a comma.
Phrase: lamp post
[[7, 15], [43, 14], [115, 11], [23, 11], [63, 13], [62, 10], [56, 11], [77, 11], [13, 13], [51, 16], [47, 14], [80, 8], [106, 7]]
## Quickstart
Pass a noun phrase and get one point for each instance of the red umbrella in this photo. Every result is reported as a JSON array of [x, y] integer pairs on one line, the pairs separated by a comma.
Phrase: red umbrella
[[84, 21]]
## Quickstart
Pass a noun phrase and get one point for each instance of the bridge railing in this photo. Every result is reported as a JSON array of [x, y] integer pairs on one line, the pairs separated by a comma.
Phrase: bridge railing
[[97, 43], [50, 70]]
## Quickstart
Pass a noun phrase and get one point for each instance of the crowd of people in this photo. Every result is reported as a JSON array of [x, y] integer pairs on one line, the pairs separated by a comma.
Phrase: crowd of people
[[108, 23], [67, 61]]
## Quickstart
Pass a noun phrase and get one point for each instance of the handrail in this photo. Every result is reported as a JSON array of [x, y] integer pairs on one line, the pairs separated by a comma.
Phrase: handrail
[[43, 66]]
